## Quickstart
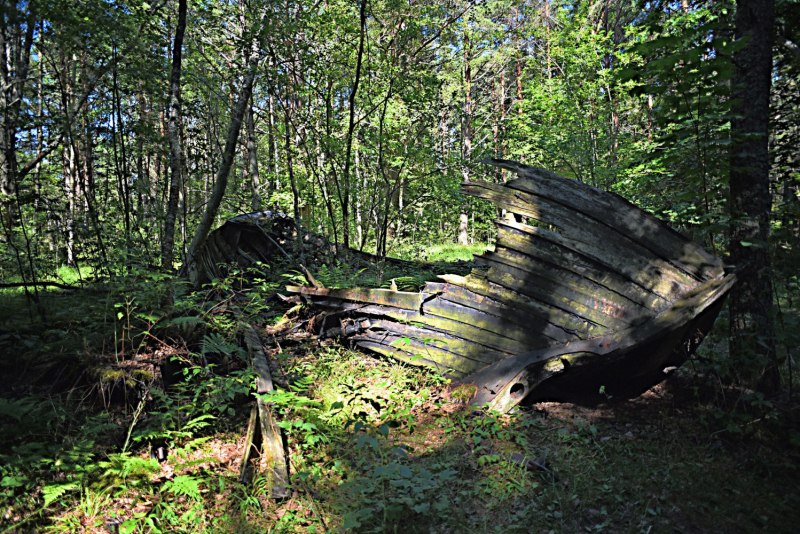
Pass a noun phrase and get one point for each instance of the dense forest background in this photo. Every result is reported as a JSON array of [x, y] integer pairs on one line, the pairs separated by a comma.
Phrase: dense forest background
[[368, 119], [129, 130]]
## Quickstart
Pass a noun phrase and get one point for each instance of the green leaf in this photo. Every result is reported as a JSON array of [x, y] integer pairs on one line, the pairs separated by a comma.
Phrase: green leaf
[[13, 481]]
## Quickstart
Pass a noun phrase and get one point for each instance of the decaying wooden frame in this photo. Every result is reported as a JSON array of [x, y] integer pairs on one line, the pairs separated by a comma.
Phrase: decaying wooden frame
[[583, 290]]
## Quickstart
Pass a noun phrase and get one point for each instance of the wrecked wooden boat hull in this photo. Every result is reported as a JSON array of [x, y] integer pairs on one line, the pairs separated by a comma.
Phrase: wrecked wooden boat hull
[[249, 240], [583, 290]]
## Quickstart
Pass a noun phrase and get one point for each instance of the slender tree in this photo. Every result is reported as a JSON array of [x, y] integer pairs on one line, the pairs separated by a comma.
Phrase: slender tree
[[234, 129], [173, 134], [752, 328]]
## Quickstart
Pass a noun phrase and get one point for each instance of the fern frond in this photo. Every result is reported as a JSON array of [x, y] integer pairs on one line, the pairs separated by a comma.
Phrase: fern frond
[[184, 485], [54, 492]]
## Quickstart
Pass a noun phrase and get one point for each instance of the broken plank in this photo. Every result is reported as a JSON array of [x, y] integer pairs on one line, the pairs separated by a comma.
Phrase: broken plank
[[273, 459], [248, 445], [440, 340], [407, 357], [524, 319], [563, 298], [570, 323], [644, 272], [616, 212], [496, 381], [397, 299], [423, 351], [454, 328], [547, 246], [613, 304], [528, 338], [578, 227]]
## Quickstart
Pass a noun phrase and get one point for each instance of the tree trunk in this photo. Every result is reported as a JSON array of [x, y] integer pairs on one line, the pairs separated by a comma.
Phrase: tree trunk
[[752, 327], [221, 179], [273, 143], [351, 127], [168, 239], [463, 227], [295, 193], [252, 159], [16, 56]]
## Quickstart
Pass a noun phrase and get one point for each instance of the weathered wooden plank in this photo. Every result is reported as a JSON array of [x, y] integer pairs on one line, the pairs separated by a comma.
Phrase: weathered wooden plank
[[645, 273], [273, 460], [398, 299], [522, 319], [526, 337], [468, 332], [221, 246], [558, 296], [552, 251], [611, 303], [578, 228], [459, 329], [248, 446], [615, 212], [397, 314], [570, 323], [495, 381], [440, 340], [443, 360], [413, 359]]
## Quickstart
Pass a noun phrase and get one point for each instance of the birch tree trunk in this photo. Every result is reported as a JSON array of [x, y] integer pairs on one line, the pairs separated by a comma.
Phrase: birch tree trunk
[[168, 239]]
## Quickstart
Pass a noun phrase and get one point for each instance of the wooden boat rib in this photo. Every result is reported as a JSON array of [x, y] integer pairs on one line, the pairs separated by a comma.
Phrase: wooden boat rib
[[583, 290]]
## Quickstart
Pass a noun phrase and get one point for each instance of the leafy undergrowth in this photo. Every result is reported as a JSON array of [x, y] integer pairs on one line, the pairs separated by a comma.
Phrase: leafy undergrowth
[[94, 439], [376, 446]]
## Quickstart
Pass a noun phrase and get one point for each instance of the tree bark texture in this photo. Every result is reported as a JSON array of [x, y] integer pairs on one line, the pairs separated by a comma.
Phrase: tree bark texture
[[252, 160], [173, 134], [463, 226], [16, 42], [351, 126], [752, 326]]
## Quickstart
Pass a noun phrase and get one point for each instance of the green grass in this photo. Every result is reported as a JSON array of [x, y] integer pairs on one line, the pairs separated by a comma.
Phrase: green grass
[[442, 252]]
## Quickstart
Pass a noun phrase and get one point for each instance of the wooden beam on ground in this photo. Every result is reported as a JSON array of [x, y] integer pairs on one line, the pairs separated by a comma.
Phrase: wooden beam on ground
[[273, 459], [244, 476]]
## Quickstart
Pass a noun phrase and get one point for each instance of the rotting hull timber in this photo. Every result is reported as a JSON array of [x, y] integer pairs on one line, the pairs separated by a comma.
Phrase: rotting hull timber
[[583, 289]]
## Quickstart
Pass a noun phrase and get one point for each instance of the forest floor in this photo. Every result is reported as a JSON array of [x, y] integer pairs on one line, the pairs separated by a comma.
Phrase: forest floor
[[373, 445]]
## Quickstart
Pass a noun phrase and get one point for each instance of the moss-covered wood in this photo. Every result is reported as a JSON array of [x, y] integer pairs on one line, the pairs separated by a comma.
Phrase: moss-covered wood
[[549, 247], [597, 291]]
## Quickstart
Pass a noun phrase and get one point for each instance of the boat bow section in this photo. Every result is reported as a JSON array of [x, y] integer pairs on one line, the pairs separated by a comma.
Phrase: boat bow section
[[579, 278]]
